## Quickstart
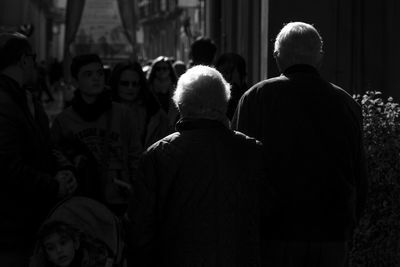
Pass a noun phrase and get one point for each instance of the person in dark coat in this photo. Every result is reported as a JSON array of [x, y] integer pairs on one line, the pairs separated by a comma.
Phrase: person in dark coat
[[197, 202], [32, 177], [312, 134]]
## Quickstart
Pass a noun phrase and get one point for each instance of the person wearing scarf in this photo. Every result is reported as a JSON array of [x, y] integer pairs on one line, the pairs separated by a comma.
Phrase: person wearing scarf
[[99, 136]]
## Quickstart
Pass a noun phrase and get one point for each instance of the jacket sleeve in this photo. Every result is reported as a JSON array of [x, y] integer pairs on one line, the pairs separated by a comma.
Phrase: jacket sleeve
[[157, 128], [140, 218], [56, 134], [130, 133], [17, 172]]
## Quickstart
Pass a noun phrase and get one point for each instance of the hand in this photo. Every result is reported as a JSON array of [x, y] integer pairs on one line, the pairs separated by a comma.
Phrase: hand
[[67, 183]]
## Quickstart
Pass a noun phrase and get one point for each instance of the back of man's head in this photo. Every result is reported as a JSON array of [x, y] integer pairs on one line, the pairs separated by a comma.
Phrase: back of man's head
[[298, 43], [202, 51], [82, 60], [202, 92], [12, 47]]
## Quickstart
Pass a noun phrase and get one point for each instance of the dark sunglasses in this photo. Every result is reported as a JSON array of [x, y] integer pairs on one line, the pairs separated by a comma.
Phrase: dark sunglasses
[[127, 83]]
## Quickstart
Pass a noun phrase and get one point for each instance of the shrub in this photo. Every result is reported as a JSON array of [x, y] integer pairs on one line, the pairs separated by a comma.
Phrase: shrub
[[376, 240]]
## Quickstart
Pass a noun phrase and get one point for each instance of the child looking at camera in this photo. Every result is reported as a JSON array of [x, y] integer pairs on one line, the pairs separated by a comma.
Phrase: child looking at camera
[[65, 246]]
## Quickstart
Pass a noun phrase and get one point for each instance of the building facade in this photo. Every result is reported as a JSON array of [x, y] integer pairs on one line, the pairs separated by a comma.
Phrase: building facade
[[167, 27], [359, 41]]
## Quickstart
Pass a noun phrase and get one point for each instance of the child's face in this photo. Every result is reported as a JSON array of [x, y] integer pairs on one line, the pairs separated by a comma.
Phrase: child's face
[[91, 79], [60, 249]]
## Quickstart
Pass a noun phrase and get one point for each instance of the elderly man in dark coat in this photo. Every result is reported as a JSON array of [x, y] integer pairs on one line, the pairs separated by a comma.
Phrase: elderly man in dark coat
[[197, 203], [312, 134]]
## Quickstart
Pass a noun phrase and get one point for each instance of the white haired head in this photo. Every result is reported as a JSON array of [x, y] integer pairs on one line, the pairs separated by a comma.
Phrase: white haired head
[[202, 92], [298, 43]]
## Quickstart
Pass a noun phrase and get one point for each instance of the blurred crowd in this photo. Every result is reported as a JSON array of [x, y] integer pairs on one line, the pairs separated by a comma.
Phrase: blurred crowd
[[161, 75], [171, 163]]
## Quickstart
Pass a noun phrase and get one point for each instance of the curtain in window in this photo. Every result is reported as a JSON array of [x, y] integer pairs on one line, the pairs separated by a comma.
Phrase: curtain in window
[[380, 42], [128, 13], [366, 45], [73, 18]]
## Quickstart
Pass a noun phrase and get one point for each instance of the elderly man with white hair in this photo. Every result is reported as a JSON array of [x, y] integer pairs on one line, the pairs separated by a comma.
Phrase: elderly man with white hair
[[312, 134], [197, 202]]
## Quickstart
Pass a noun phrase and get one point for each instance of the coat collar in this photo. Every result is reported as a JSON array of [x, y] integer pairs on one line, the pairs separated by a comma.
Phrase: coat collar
[[303, 68], [187, 124]]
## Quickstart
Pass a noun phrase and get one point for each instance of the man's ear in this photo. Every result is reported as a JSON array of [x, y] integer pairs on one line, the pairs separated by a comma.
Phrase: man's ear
[[279, 63], [319, 60]]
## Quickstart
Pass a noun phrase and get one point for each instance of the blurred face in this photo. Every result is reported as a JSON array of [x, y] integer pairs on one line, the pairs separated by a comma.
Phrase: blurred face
[[129, 85], [60, 249], [91, 79], [162, 70], [230, 73]]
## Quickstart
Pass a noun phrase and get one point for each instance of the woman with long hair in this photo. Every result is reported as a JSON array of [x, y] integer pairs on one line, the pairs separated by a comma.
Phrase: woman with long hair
[[129, 86], [162, 81]]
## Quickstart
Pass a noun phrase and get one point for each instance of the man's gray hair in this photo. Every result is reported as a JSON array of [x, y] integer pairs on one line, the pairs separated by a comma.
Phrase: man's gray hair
[[298, 43], [202, 92]]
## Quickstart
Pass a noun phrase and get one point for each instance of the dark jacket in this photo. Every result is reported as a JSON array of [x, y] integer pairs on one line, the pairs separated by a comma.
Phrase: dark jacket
[[312, 135], [27, 189], [198, 201]]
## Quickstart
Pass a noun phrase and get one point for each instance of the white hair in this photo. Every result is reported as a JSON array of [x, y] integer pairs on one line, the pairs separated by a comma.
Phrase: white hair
[[202, 92], [298, 43]]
